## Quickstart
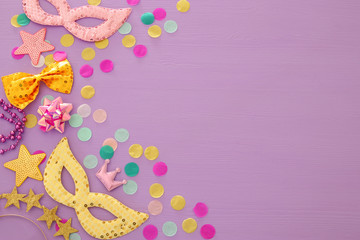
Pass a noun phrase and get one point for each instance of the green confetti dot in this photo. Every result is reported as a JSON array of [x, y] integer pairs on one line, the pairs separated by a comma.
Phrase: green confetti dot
[[130, 187], [169, 229], [76, 120], [90, 161], [170, 26], [49, 97], [106, 152], [74, 236], [121, 135], [84, 134], [23, 20], [131, 169], [125, 28], [147, 18]]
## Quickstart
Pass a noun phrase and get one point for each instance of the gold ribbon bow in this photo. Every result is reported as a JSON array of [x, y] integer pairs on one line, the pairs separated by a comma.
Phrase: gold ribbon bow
[[126, 219], [22, 88]]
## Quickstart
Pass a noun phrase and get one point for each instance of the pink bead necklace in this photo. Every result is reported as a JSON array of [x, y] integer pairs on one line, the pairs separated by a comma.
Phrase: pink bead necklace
[[14, 135]]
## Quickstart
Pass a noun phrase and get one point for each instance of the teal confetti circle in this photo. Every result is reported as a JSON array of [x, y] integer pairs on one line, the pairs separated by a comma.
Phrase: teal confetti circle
[[49, 97], [130, 187], [106, 152], [131, 169], [76, 120], [121, 135], [125, 28], [84, 134], [23, 20], [170, 26], [74, 236], [147, 18], [90, 161], [169, 229]]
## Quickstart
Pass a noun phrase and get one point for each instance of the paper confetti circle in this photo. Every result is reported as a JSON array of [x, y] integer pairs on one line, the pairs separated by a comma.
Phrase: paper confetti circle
[[207, 231], [136, 150], [40, 63], [14, 22], [147, 18], [169, 229], [155, 207], [159, 14], [22, 19], [151, 153], [76, 120], [130, 187], [17, 57], [49, 97], [88, 92], [178, 202], [106, 65], [100, 115], [111, 142], [59, 56], [49, 59], [31, 121], [67, 40], [74, 236], [133, 2], [150, 232], [94, 2], [122, 135], [102, 44], [183, 6], [84, 110], [160, 169], [156, 190], [154, 31], [131, 169], [170, 26], [189, 225], [88, 54], [125, 28], [106, 152], [90, 161], [200, 209], [140, 51], [84, 134], [86, 71], [129, 41]]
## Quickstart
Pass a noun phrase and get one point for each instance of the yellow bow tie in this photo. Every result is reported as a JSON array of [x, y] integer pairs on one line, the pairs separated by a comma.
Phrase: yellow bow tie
[[22, 88]]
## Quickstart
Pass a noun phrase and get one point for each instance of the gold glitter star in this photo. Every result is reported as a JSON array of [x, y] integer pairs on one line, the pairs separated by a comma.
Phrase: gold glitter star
[[13, 198], [32, 200], [49, 216], [26, 165], [65, 229]]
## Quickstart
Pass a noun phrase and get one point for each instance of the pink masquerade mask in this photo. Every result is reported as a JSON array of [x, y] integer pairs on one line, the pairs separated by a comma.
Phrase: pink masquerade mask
[[113, 18]]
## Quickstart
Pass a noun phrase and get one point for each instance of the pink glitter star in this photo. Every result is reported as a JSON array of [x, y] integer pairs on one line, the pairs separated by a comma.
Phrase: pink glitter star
[[34, 45], [54, 114]]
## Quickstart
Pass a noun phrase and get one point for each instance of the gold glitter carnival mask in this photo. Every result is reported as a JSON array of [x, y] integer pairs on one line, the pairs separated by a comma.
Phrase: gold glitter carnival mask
[[127, 219]]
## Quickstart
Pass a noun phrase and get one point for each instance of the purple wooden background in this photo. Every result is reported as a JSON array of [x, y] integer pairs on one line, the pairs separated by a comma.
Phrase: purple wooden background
[[254, 106]]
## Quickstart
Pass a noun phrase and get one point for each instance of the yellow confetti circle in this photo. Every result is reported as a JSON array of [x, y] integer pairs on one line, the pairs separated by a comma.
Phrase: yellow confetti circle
[[129, 41], [94, 2], [156, 190], [136, 150], [183, 6], [49, 59], [151, 153], [88, 54], [154, 31], [88, 92], [14, 22], [102, 44], [178, 202], [31, 121], [67, 40], [189, 225]]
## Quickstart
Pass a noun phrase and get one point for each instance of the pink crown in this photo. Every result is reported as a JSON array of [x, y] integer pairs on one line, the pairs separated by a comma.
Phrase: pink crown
[[107, 178]]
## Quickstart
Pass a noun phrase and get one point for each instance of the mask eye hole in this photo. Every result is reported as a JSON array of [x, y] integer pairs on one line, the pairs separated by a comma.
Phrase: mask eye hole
[[51, 9], [89, 22], [100, 213], [68, 185]]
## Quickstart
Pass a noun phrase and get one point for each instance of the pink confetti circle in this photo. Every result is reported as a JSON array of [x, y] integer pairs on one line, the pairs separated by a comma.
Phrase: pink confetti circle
[[106, 66], [200, 209], [59, 56], [17, 57], [159, 13], [57, 226], [207, 231], [86, 71], [150, 232], [133, 2], [160, 168], [140, 51], [38, 152]]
